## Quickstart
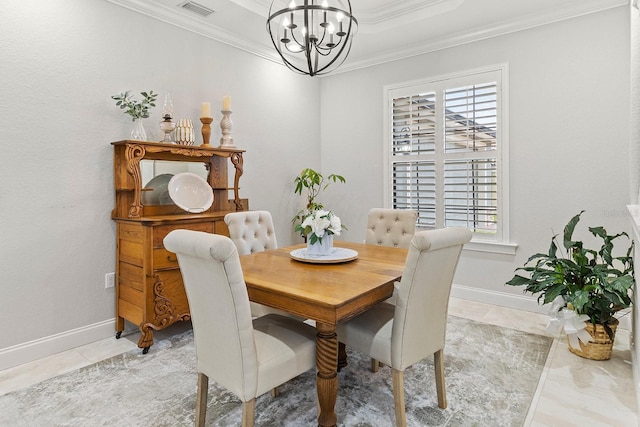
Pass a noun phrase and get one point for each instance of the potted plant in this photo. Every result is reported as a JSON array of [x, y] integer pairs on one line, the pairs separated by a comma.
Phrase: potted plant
[[586, 288], [313, 222], [138, 110]]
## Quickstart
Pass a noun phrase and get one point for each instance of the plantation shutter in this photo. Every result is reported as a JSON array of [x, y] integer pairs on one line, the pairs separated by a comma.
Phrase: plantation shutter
[[444, 157]]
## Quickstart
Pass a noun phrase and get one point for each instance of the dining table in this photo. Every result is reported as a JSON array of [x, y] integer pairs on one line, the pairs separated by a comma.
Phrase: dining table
[[328, 290]]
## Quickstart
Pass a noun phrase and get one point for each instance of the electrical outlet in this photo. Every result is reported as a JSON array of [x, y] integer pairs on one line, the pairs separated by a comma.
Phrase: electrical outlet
[[109, 280]]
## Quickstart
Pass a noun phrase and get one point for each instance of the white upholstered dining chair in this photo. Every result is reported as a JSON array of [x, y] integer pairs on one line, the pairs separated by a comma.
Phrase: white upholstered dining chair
[[247, 357], [415, 327], [253, 231], [390, 227]]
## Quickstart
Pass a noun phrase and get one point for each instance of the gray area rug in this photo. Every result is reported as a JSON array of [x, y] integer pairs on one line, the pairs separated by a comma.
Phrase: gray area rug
[[491, 375]]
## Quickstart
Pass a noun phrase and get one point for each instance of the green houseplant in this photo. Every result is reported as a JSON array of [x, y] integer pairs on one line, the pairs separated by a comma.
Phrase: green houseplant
[[313, 183], [589, 284]]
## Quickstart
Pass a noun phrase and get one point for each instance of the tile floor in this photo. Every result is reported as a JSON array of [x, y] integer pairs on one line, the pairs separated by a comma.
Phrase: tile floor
[[572, 391]]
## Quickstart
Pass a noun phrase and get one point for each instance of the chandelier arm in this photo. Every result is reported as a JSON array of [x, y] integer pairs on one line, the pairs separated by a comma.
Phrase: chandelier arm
[[295, 39], [339, 54]]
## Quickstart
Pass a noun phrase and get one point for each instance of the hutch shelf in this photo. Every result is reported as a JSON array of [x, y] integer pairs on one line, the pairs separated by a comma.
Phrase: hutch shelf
[[149, 289]]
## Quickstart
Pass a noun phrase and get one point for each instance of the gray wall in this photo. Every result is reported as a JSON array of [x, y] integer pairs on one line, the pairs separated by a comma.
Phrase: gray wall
[[61, 62], [569, 135]]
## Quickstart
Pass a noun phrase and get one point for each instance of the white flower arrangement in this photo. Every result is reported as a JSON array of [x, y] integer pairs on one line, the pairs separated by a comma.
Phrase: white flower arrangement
[[318, 224]]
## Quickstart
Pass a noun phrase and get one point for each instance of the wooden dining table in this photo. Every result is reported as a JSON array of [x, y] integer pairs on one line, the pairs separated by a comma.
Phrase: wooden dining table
[[327, 292]]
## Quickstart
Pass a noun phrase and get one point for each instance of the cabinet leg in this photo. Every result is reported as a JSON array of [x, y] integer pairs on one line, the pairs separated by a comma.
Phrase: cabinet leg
[[146, 337], [118, 335]]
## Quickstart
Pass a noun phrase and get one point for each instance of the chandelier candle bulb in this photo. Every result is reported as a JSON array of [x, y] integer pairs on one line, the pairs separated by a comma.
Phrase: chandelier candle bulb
[[205, 109]]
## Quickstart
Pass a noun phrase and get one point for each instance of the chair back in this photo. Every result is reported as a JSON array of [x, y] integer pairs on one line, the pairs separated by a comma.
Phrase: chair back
[[391, 227], [219, 306], [251, 231], [420, 317]]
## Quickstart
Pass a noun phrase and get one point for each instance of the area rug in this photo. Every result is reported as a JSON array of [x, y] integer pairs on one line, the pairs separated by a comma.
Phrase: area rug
[[491, 374]]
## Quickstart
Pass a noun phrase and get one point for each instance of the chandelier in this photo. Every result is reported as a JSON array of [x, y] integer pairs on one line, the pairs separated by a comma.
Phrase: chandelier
[[313, 36]]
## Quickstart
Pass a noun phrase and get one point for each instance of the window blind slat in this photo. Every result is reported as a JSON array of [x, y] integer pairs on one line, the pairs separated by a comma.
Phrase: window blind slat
[[468, 125]]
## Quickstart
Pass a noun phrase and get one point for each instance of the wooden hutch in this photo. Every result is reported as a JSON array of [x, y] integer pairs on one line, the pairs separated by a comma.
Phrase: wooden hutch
[[149, 289]]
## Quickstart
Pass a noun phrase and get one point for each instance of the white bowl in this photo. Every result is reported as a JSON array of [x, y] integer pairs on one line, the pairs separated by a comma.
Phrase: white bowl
[[190, 192]]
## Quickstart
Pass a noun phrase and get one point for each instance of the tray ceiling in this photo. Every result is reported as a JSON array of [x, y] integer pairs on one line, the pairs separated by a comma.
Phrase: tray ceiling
[[388, 29]]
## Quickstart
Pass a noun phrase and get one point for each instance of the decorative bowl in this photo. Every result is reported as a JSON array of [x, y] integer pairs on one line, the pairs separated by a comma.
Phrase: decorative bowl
[[190, 192], [157, 191]]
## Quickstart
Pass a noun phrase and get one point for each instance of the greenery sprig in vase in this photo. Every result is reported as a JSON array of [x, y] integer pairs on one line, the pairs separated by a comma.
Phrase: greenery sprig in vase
[[592, 283], [138, 110]]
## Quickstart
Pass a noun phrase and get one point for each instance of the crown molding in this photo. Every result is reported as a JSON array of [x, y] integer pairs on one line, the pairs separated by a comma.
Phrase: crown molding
[[188, 22], [181, 19], [482, 33]]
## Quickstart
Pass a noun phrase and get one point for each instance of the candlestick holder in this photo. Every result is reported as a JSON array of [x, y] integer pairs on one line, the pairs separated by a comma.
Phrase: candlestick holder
[[225, 126], [206, 131]]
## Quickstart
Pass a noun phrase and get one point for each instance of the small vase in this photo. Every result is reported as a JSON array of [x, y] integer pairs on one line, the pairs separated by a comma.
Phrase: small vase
[[138, 133], [321, 248], [184, 132]]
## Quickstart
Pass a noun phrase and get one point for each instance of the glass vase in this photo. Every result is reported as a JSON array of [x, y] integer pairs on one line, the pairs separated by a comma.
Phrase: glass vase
[[138, 133]]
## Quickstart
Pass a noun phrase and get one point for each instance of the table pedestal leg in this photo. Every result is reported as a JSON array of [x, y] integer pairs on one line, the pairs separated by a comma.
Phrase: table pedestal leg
[[327, 378], [342, 356]]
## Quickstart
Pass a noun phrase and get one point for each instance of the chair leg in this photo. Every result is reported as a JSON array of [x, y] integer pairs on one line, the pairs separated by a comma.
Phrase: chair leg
[[374, 365], [438, 363], [201, 399], [248, 412], [398, 398]]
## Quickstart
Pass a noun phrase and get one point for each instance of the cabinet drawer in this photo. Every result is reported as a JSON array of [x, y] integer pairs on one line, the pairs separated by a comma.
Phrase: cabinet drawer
[[161, 231], [163, 259], [221, 228]]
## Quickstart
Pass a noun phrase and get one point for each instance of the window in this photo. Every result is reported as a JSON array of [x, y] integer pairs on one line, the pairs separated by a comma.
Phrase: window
[[446, 145]]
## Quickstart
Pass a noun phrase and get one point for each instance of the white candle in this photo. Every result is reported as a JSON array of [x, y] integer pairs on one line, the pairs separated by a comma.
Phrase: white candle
[[226, 103], [205, 110]]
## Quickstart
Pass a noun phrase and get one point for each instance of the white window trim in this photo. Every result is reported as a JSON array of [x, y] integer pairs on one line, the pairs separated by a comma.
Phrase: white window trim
[[504, 244]]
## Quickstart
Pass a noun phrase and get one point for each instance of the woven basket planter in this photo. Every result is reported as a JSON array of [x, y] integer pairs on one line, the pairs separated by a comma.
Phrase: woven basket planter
[[600, 346]]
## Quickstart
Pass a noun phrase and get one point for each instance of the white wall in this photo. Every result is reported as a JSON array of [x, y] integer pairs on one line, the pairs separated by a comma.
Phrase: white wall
[[61, 62], [569, 134]]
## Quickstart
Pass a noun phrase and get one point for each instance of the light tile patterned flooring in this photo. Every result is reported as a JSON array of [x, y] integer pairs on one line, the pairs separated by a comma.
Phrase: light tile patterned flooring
[[572, 391]]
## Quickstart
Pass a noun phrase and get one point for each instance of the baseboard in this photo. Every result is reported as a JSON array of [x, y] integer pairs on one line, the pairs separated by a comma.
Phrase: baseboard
[[503, 299], [519, 302], [47, 346]]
